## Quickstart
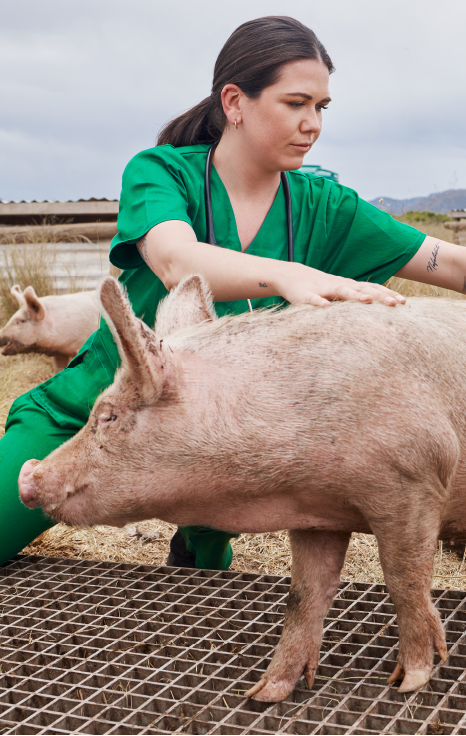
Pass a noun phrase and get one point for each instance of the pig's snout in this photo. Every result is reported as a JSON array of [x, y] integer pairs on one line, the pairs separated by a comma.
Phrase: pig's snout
[[28, 489], [4, 340]]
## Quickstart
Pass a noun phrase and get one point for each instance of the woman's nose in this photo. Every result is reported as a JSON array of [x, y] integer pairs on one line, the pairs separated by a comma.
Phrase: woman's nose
[[311, 122]]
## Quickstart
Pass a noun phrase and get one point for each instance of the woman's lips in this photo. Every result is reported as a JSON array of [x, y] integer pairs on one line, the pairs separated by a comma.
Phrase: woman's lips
[[304, 147]]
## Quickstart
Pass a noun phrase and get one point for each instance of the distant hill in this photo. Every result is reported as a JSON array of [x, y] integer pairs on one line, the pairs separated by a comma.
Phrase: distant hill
[[442, 202]]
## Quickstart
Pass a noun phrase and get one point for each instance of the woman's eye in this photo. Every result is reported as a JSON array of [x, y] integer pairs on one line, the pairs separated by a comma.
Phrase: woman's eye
[[321, 107], [295, 105]]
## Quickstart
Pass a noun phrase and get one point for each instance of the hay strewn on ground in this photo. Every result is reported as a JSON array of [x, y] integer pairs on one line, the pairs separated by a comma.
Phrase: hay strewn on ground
[[147, 542], [18, 374]]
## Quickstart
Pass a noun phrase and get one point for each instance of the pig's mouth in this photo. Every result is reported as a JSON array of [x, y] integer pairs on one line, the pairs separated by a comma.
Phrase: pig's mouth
[[54, 509], [74, 507], [78, 513], [60, 510], [12, 347]]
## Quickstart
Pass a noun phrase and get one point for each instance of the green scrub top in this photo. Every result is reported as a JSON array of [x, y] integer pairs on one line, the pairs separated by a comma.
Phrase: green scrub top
[[334, 231]]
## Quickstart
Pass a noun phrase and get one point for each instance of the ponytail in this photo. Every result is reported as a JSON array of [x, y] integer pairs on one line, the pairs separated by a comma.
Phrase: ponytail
[[251, 58], [197, 125]]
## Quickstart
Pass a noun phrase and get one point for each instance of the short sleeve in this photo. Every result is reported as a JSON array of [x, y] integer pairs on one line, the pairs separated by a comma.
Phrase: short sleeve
[[362, 242], [154, 190]]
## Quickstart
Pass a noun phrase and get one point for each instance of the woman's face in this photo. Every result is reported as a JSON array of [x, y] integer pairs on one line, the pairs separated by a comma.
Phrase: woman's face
[[283, 123]]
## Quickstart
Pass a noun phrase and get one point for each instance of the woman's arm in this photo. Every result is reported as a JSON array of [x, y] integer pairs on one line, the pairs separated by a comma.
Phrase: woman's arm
[[172, 251], [438, 263]]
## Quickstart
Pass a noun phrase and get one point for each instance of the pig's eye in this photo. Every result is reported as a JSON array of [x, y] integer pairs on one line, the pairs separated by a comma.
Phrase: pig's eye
[[20, 321], [106, 419]]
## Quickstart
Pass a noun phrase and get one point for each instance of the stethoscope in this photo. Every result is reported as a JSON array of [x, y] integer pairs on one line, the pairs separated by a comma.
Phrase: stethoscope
[[208, 208]]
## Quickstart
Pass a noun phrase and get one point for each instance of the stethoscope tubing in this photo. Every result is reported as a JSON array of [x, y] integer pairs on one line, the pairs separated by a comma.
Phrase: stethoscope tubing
[[211, 239]]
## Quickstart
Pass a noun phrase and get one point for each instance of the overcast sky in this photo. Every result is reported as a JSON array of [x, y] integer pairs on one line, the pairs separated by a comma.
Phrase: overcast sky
[[86, 84]]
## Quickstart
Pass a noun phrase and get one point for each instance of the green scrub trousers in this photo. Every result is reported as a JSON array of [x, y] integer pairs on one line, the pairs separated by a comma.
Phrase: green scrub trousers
[[50, 414]]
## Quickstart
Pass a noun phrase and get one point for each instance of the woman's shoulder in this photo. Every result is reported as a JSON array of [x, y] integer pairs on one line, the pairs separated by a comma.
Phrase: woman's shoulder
[[319, 186], [166, 156]]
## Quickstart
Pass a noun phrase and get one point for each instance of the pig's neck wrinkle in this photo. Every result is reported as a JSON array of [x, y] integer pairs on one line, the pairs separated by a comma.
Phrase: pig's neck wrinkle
[[38, 349]]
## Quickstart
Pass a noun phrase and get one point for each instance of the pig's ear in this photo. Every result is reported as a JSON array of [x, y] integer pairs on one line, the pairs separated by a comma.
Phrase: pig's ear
[[18, 295], [189, 303], [140, 356], [35, 307]]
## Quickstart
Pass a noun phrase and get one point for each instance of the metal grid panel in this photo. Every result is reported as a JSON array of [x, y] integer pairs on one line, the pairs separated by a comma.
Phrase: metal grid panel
[[103, 648]]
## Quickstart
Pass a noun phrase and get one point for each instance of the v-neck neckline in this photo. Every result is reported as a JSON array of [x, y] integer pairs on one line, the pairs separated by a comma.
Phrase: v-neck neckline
[[264, 221]]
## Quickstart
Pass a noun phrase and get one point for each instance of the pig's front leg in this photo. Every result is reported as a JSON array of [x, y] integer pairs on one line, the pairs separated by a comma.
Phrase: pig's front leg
[[317, 559]]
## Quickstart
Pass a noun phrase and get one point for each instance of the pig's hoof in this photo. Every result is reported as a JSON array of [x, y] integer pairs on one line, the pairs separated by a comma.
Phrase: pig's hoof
[[270, 691], [412, 680]]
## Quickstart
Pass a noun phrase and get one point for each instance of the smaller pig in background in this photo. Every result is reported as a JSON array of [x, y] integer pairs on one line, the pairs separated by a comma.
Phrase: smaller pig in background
[[51, 325]]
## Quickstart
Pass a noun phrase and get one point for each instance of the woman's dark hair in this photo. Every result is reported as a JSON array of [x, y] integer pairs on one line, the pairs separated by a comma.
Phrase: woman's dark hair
[[251, 58]]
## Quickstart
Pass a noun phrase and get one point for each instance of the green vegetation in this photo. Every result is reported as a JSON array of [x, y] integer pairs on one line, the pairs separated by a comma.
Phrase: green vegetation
[[416, 216]]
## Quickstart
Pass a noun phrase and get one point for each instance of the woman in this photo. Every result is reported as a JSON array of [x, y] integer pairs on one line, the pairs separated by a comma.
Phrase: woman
[[265, 112]]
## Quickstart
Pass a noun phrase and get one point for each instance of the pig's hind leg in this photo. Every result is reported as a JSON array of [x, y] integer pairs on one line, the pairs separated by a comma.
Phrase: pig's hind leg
[[407, 540], [317, 559]]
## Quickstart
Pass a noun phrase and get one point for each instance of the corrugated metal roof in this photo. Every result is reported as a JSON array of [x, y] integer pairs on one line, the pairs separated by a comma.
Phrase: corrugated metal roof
[[55, 201]]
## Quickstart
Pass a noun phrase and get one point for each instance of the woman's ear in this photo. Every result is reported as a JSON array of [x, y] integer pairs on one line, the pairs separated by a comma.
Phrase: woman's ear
[[231, 102]]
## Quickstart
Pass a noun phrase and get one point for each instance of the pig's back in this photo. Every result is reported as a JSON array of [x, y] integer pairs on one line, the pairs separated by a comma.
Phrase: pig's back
[[426, 332], [330, 361]]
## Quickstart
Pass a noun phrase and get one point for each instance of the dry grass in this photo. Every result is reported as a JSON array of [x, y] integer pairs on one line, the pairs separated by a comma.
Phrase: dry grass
[[18, 374], [25, 266], [148, 542], [30, 263], [268, 554], [413, 288], [434, 229]]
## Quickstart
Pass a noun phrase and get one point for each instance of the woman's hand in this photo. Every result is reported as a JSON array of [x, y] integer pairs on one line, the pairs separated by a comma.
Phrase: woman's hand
[[300, 284]]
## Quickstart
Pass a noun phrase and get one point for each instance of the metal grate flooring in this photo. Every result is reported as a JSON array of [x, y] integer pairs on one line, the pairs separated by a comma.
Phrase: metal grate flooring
[[103, 648]]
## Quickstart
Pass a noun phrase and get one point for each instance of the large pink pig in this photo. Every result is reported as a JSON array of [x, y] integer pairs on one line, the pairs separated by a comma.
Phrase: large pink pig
[[52, 325], [320, 421]]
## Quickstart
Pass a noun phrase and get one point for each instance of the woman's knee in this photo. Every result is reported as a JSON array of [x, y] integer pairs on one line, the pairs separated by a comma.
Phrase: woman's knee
[[30, 433]]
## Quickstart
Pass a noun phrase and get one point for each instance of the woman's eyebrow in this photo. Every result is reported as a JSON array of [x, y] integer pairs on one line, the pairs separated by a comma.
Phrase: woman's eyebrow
[[306, 96]]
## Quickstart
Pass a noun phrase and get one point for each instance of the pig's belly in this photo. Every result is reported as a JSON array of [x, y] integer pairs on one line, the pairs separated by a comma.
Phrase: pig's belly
[[273, 515]]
